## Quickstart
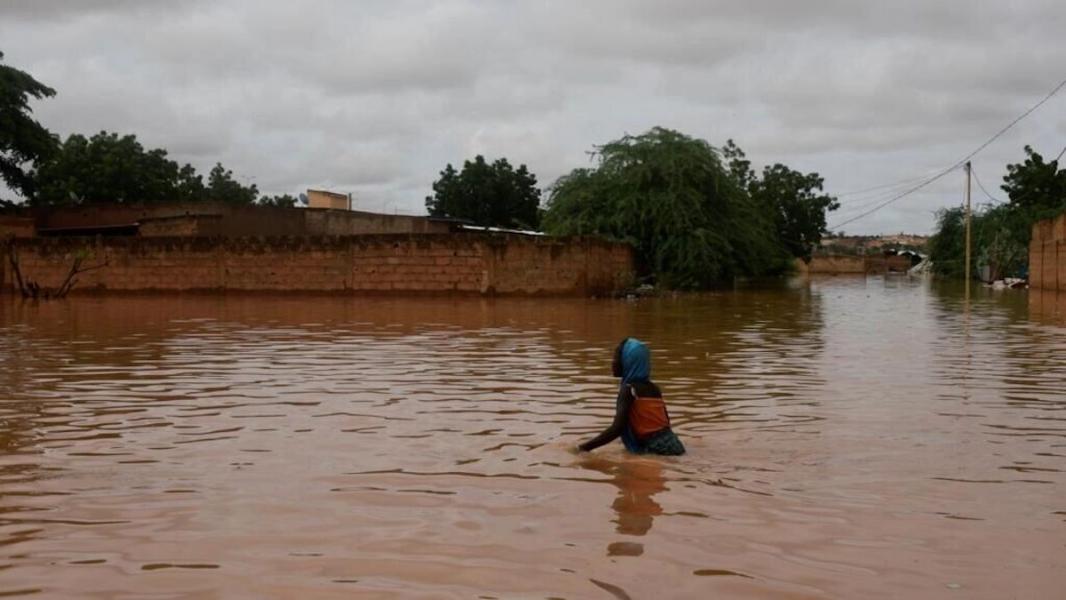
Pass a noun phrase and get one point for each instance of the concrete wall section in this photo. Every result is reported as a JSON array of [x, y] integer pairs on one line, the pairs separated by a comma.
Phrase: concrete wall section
[[854, 265], [465, 264], [833, 265], [1047, 255], [1060, 259], [207, 219], [16, 226], [1036, 264], [1049, 272]]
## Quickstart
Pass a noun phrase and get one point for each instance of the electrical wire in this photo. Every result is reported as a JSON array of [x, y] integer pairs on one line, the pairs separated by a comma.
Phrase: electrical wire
[[880, 187], [1016, 198], [895, 198], [958, 163], [867, 202], [981, 185]]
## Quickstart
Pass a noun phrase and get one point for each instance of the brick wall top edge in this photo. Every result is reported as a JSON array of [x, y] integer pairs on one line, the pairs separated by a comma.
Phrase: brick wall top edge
[[461, 239]]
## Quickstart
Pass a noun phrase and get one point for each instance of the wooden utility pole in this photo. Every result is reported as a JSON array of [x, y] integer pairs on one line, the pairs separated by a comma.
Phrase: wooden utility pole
[[968, 270]]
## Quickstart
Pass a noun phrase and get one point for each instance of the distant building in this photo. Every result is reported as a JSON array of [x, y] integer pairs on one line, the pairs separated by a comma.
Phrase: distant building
[[331, 200], [863, 244]]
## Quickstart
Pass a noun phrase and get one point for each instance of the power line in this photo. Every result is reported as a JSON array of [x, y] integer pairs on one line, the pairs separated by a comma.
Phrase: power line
[[958, 163], [981, 185], [862, 203], [880, 187], [868, 202], [1016, 198], [1061, 85], [896, 197]]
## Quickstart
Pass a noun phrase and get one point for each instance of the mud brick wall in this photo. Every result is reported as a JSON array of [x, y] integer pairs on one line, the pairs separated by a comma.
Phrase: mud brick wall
[[485, 264], [1047, 255], [856, 265], [836, 265], [554, 265], [16, 226], [212, 219]]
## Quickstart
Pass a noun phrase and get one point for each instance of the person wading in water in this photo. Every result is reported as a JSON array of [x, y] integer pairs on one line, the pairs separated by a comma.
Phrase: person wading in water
[[640, 416]]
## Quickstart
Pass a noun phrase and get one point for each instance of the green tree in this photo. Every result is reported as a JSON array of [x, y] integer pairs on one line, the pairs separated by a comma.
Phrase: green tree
[[739, 165], [689, 218], [108, 168], [222, 187], [24, 142], [793, 199], [1035, 184], [112, 168], [282, 201], [495, 194], [1001, 233], [797, 206], [1000, 241], [946, 249]]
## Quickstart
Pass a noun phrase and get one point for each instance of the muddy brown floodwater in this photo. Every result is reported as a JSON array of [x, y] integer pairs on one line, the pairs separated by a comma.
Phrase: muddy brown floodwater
[[848, 438]]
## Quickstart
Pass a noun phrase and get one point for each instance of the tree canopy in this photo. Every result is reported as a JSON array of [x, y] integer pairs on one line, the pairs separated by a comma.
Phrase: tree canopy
[[488, 194], [281, 201], [1036, 184], [222, 187], [1000, 241], [694, 220], [1001, 232], [23, 141], [108, 167], [793, 199]]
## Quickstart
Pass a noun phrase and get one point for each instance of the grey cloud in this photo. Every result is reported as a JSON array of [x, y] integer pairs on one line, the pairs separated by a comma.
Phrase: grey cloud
[[52, 10], [375, 97]]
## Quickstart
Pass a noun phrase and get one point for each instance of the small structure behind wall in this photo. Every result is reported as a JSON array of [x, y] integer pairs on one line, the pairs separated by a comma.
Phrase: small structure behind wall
[[331, 200]]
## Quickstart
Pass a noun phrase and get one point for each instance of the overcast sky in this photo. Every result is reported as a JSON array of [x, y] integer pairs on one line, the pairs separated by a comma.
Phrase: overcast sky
[[375, 98]]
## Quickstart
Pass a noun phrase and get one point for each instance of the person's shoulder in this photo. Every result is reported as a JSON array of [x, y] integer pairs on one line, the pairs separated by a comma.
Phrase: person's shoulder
[[647, 389]]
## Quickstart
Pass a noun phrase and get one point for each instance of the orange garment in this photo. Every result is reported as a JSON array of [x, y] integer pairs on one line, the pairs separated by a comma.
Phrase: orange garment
[[647, 415]]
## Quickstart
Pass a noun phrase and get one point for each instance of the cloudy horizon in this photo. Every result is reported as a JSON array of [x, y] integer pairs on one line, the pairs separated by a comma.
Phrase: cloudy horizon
[[375, 97]]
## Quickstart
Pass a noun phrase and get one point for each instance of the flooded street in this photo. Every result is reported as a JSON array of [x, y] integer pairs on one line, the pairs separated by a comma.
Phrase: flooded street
[[847, 438]]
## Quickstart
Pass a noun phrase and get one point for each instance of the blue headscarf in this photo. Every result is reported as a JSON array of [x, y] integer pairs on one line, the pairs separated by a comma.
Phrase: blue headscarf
[[636, 368], [636, 362]]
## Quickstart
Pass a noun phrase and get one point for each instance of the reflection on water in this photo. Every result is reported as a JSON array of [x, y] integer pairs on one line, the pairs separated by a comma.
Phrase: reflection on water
[[1048, 307], [638, 480], [847, 437]]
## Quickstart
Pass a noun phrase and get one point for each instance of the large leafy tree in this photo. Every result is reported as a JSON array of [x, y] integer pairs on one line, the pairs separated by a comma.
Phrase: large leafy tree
[[111, 168], [108, 168], [489, 194], [1035, 184], [23, 141], [688, 216], [222, 187], [1001, 233], [1000, 241], [793, 199]]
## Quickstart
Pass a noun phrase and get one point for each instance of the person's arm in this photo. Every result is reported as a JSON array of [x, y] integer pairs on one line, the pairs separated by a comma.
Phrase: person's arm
[[621, 417]]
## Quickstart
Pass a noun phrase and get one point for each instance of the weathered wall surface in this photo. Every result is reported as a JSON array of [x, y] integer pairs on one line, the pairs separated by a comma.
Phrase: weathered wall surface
[[836, 265], [1047, 255], [464, 264], [1048, 305], [853, 265], [11, 225], [208, 219], [192, 225]]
